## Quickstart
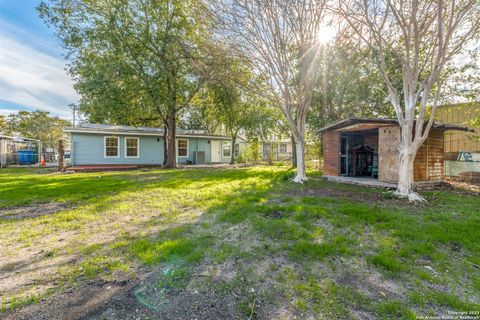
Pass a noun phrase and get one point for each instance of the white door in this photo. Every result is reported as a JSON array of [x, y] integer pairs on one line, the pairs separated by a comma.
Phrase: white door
[[215, 150]]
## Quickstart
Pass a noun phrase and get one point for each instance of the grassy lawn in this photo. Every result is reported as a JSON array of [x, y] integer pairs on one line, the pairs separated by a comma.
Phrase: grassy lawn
[[268, 247]]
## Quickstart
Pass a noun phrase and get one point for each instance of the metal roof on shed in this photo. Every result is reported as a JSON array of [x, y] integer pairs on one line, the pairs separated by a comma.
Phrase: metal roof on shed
[[383, 122]]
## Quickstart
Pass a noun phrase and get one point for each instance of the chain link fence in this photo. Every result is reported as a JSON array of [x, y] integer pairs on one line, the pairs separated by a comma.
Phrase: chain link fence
[[18, 152]]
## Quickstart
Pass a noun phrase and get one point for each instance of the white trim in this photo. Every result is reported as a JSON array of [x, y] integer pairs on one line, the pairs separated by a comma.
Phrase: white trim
[[188, 145], [138, 147], [155, 134], [105, 147]]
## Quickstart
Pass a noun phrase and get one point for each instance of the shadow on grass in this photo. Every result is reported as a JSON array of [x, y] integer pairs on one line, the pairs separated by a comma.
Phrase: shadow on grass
[[289, 225]]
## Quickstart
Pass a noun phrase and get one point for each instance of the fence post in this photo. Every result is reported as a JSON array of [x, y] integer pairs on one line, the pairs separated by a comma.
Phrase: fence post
[[61, 153]]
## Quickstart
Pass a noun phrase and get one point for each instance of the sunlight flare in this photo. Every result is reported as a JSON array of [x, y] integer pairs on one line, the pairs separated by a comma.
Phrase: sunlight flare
[[325, 34]]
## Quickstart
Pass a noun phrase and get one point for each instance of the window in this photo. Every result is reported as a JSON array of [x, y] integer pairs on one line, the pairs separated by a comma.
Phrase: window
[[237, 149], [111, 147], [283, 148], [267, 148], [182, 147], [131, 147], [226, 152]]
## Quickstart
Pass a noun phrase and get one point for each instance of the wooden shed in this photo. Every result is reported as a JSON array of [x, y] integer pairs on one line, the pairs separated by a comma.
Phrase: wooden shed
[[362, 147]]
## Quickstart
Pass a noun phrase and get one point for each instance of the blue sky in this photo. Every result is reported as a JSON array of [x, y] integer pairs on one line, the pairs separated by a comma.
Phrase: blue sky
[[32, 74]]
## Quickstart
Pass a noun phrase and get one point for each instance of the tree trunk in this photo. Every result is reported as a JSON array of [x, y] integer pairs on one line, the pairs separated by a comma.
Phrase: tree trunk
[[294, 158], [165, 144], [61, 156], [171, 144], [301, 174], [232, 158], [405, 173]]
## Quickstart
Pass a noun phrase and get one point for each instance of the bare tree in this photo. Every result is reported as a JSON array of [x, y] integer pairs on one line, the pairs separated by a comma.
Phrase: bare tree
[[280, 39], [422, 37]]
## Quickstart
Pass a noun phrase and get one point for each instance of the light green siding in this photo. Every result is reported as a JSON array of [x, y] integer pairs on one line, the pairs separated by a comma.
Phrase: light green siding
[[88, 148]]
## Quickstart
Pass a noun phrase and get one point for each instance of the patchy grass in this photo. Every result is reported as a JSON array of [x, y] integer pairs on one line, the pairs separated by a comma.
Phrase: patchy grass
[[318, 250]]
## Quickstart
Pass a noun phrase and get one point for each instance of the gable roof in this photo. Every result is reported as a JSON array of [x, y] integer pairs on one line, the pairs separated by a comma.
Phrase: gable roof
[[386, 122], [141, 131]]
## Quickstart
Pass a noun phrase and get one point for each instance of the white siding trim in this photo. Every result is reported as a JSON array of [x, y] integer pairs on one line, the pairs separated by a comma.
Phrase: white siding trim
[[138, 147], [105, 147], [155, 134]]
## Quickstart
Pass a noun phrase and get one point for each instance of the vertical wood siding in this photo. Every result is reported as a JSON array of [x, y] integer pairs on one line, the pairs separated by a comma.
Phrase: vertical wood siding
[[388, 149], [429, 162]]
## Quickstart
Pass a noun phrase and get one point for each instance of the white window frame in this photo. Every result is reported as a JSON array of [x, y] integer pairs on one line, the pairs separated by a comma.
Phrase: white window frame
[[225, 143], [105, 147], [283, 144], [188, 145], [138, 147]]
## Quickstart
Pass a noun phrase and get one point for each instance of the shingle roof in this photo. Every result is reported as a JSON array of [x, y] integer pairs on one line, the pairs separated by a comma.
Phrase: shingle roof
[[115, 129]]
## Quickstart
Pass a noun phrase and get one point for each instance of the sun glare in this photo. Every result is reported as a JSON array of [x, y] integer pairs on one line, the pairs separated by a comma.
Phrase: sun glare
[[325, 34]]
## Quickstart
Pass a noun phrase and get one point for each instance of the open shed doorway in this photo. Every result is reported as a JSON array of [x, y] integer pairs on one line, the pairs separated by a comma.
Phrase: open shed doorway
[[359, 153]]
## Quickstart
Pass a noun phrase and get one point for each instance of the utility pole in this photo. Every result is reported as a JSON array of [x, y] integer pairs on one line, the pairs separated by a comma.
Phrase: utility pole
[[74, 111]]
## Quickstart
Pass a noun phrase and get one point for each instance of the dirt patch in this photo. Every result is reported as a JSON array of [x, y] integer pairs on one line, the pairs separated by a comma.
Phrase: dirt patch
[[32, 211], [462, 188], [378, 198], [275, 214], [73, 303]]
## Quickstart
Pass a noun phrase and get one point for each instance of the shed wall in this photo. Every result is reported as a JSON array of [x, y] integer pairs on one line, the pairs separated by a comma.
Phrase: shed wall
[[429, 162], [388, 149], [331, 141]]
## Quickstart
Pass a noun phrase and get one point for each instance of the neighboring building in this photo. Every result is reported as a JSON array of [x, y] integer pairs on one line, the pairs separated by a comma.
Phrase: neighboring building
[[95, 144], [370, 148], [462, 149], [460, 114], [276, 149]]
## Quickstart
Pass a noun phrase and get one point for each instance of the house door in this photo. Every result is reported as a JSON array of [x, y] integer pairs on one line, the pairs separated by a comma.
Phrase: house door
[[343, 156], [215, 150]]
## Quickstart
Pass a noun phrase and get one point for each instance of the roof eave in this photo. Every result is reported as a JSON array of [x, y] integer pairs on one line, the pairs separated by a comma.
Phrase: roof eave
[[144, 133]]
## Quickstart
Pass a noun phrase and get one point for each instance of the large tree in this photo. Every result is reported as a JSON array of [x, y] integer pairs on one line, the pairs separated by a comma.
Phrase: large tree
[[350, 85], [133, 60], [37, 124], [422, 37], [4, 129], [236, 108], [280, 39]]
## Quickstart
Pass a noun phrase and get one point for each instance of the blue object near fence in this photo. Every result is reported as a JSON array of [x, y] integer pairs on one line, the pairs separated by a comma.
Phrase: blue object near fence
[[27, 156]]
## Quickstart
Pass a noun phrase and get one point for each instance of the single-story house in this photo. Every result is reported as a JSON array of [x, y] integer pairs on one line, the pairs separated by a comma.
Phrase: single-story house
[[362, 147], [276, 149], [97, 144]]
